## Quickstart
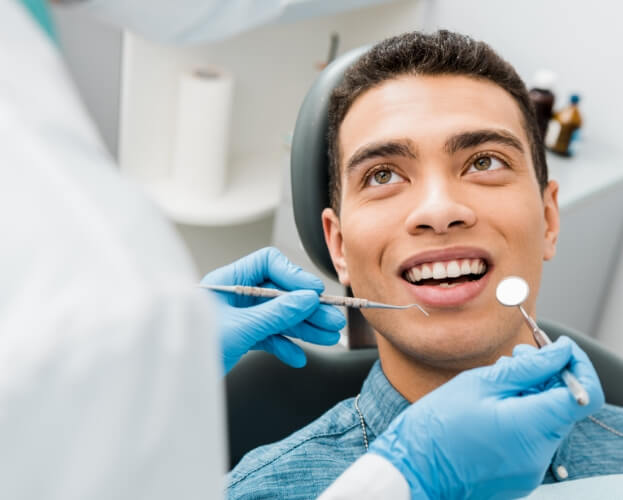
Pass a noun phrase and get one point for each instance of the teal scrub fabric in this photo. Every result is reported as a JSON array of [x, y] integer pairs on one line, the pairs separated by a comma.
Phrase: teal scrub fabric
[[40, 11]]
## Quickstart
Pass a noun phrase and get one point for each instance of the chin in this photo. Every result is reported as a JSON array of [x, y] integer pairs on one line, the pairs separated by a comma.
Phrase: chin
[[446, 348]]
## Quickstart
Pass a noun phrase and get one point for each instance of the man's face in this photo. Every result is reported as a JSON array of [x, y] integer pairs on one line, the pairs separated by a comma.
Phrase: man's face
[[439, 202]]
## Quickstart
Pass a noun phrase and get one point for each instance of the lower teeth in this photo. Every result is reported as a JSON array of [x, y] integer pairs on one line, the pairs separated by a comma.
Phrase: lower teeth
[[448, 285]]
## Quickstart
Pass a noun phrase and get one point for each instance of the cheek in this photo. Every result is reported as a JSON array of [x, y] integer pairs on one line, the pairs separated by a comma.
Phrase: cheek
[[521, 221], [367, 232], [530, 225], [360, 234]]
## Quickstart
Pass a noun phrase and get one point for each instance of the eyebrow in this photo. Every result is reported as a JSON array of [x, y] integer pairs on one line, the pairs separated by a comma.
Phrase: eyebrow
[[475, 138], [400, 147]]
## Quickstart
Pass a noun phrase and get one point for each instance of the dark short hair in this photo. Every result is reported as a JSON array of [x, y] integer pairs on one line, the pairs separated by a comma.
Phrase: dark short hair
[[439, 53]]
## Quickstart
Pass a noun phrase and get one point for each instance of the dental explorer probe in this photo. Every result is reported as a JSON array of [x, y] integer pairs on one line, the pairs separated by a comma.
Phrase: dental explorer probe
[[513, 291], [336, 300]]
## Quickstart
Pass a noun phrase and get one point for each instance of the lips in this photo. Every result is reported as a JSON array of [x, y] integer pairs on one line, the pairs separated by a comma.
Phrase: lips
[[447, 277]]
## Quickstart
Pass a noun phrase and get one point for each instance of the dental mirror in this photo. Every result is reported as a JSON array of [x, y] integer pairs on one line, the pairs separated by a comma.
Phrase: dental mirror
[[512, 291]]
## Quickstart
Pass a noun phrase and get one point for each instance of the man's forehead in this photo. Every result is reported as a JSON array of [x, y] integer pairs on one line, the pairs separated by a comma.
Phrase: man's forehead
[[423, 106]]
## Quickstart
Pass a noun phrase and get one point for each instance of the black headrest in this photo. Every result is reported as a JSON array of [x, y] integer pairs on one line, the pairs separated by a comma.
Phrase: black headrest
[[267, 400], [309, 161]]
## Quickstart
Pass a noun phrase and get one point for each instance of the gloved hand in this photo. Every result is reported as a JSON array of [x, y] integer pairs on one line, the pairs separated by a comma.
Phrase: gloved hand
[[491, 431], [258, 323]]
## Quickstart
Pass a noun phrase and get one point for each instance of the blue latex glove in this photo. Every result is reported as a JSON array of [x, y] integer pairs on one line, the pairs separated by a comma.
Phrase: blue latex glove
[[258, 323], [491, 432]]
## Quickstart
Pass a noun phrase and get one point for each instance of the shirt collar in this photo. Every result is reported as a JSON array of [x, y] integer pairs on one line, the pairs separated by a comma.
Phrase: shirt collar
[[380, 403]]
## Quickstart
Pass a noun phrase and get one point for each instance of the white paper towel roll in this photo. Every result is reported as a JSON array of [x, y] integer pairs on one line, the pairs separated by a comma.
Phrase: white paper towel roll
[[202, 132]]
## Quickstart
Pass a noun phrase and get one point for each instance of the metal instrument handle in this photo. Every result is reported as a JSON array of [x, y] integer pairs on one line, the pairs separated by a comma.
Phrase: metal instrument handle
[[255, 291], [337, 300]]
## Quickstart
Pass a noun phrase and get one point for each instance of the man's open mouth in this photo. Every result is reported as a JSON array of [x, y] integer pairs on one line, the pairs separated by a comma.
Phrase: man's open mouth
[[446, 274]]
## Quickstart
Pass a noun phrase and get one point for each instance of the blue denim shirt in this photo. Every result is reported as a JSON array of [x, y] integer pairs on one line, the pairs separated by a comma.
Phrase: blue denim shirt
[[304, 464]]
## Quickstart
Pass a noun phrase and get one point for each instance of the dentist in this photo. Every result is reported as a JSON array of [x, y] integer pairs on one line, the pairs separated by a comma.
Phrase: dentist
[[110, 377]]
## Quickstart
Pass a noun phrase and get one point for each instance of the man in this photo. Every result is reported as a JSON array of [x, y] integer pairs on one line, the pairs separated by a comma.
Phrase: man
[[439, 190]]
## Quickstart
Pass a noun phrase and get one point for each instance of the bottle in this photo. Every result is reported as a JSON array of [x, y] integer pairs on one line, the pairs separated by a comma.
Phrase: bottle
[[543, 98], [564, 127]]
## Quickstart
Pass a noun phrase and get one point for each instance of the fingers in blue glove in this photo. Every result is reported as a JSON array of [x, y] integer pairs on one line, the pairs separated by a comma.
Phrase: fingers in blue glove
[[553, 401], [526, 349], [327, 317], [267, 264], [578, 363], [287, 275], [581, 366], [289, 315], [523, 372], [284, 349], [555, 410], [284, 312], [314, 335], [522, 349]]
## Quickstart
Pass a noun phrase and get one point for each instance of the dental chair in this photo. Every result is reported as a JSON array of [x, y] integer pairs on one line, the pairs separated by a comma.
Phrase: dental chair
[[267, 400]]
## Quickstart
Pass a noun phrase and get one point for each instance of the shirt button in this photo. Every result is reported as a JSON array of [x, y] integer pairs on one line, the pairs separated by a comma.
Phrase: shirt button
[[561, 472]]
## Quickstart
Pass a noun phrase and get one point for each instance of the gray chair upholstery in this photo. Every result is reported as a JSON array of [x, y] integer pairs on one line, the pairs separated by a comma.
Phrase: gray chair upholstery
[[309, 164], [267, 400]]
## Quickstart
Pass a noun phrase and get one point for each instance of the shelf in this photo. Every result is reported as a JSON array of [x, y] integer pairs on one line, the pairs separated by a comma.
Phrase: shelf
[[253, 193], [595, 167], [267, 95]]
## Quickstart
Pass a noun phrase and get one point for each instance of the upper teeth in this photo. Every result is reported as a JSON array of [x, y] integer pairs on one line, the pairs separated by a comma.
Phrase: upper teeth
[[446, 269]]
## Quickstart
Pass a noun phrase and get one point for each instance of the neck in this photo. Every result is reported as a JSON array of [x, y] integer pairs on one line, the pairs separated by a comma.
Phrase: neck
[[414, 379], [410, 378]]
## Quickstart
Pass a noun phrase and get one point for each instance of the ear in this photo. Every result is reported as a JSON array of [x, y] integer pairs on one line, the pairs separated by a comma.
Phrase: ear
[[552, 219], [335, 243]]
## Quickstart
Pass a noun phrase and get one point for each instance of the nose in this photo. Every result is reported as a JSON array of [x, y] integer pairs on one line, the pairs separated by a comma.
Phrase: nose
[[438, 207]]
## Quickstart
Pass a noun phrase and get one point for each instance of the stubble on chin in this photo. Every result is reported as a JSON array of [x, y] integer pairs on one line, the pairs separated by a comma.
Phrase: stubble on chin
[[439, 349]]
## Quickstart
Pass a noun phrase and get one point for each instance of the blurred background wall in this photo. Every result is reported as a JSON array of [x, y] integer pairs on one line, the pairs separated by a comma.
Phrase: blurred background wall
[[275, 64]]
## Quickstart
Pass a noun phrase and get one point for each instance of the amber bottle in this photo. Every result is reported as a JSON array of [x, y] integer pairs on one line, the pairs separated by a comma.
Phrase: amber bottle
[[563, 126], [543, 98]]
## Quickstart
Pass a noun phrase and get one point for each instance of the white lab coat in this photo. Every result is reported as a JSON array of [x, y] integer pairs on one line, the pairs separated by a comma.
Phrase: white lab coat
[[109, 380], [109, 377]]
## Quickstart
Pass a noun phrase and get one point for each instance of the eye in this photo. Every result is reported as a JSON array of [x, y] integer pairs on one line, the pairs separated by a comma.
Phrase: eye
[[486, 163], [382, 176]]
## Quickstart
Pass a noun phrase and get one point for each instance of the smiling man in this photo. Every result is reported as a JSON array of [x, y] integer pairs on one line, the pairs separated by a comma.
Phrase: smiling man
[[439, 189], [436, 198]]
